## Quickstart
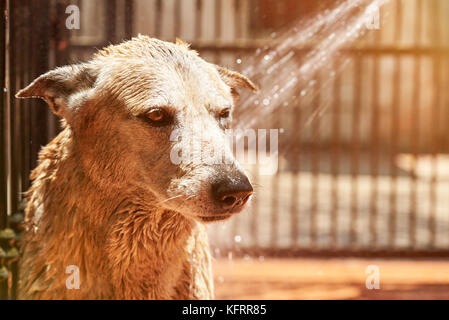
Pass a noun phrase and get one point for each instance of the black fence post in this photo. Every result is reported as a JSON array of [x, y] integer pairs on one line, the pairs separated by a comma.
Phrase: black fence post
[[3, 216], [38, 54], [111, 13]]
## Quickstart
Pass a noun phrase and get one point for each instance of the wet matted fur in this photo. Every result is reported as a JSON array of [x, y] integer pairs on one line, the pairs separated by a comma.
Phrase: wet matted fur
[[105, 196]]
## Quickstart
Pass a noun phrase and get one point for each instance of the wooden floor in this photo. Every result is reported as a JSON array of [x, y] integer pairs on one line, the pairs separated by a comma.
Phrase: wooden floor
[[330, 279]]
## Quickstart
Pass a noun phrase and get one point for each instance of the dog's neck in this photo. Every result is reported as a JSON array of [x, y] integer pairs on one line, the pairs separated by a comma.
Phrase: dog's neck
[[120, 235]]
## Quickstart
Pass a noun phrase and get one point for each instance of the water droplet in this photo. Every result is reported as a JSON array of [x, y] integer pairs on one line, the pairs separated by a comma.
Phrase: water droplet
[[303, 93], [266, 102], [256, 102], [312, 83], [239, 61], [238, 239], [286, 104], [258, 51], [266, 57], [273, 34], [275, 96], [4, 89]]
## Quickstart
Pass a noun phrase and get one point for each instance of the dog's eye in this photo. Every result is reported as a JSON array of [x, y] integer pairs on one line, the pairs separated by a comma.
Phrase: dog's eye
[[225, 113], [157, 116]]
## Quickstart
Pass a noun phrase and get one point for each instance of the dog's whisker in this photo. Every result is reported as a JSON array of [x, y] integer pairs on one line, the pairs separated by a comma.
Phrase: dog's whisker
[[178, 196]]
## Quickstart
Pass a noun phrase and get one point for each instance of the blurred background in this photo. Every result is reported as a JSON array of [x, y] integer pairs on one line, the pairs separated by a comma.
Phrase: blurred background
[[363, 164]]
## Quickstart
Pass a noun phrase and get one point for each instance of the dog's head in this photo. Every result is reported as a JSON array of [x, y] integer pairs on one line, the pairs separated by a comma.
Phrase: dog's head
[[149, 114]]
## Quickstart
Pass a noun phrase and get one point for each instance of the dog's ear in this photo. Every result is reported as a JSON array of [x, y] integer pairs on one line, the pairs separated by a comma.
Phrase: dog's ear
[[57, 86], [235, 79], [182, 43]]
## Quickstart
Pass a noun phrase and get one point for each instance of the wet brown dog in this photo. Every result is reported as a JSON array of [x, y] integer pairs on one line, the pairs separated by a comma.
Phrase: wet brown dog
[[107, 197]]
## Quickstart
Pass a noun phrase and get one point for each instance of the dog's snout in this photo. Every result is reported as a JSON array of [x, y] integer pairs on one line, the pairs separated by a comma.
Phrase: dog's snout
[[232, 192]]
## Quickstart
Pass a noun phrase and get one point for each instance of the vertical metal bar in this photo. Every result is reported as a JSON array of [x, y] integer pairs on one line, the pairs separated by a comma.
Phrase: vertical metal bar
[[275, 189], [4, 129], [51, 124], [415, 137], [218, 17], [23, 104], [158, 30], [21, 15], [275, 196], [335, 163], [315, 160], [198, 24], [129, 18], [14, 112], [31, 104], [255, 209], [111, 17], [435, 126], [355, 157], [8, 112], [238, 18], [39, 64], [295, 163], [177, 20], [374, 149], [3, 173], [395, 108]]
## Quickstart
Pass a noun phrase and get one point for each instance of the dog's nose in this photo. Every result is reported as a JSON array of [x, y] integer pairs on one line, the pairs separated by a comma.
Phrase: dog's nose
[[232, 192]]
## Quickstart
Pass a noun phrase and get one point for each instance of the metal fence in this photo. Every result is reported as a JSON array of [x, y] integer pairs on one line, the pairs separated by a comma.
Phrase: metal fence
[[368, 177]]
